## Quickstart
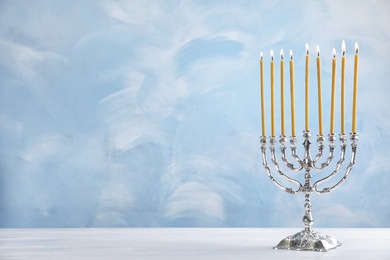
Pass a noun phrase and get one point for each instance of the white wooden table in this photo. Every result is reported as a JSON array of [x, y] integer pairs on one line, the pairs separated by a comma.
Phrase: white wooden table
[[183, 243]]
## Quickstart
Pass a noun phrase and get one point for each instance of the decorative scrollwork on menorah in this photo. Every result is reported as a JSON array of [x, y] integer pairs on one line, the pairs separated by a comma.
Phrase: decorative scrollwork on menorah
[[307, 239]]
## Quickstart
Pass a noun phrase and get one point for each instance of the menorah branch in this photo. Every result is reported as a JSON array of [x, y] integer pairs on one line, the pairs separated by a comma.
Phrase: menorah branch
[[263, 142], [321, 146], [293, 144], [354, 138], [282, 141], [343, 147], [324, 165]]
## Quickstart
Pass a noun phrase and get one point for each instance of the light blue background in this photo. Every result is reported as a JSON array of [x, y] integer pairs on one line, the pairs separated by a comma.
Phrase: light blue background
[[146, 113]]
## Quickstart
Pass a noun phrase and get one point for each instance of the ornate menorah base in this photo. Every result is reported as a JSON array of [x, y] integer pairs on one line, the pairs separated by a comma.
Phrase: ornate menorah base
[[308, 240]]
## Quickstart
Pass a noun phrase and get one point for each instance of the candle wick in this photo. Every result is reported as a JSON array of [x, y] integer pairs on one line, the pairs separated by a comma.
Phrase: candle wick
[[343, 53]]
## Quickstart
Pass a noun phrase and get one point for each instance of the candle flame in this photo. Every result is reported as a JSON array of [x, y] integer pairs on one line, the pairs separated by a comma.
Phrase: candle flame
[[307, 49], [261, 55], [291, 54], [343, 47], [318, 50], [281, 54], [334, 53], [272, 55], [356, 48]]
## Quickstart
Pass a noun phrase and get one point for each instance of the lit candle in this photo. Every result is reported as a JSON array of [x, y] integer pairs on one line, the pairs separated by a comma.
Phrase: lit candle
[[282, 91], [292, 94], [333, 92], [355, 85], [307, 89], [343, 88], [263, 132], [272, 95], [319, 91]]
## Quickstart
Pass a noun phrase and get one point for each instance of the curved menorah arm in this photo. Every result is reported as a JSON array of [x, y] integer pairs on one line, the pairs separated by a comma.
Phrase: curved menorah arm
[[320, 140], [290, 165], [263, 142], [321, 146], [354, 139], [293, 146]]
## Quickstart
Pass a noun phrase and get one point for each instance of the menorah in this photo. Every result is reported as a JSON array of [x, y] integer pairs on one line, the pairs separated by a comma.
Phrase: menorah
[[308, 239]]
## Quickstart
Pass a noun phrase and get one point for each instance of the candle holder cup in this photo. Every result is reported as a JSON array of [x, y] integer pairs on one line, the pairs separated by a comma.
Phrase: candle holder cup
[[307, 239]]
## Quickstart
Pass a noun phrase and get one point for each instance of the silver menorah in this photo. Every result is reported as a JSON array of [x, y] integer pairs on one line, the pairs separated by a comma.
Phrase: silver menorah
[[307, 239]]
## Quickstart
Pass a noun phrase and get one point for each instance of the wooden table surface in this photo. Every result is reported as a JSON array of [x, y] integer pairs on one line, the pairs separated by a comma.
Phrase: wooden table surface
[[183, 243]]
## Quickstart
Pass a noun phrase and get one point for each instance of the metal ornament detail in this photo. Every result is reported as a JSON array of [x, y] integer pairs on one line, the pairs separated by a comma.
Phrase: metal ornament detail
[[308, 239]]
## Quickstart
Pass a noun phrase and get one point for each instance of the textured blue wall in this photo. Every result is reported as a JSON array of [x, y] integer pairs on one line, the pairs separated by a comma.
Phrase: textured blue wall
[[146, 113]]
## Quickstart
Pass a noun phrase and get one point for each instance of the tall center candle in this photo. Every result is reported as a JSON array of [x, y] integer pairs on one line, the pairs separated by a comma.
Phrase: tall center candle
[[272, 95], [333, 92], [292, 94], [282, 91], [343, 89], [319, 91], [307, 89], [263, 132], [355, 86]]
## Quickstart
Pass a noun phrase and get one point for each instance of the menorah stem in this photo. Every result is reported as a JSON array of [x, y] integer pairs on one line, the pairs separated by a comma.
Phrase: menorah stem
[[307, 218], [308, 239]]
